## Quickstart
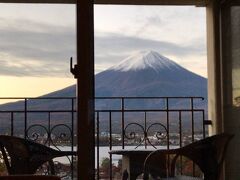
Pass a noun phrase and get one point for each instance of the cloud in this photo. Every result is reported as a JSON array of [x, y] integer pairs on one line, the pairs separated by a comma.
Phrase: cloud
[[116, 47], [34, 49], [38, 42], [29, 48], [148, 23]]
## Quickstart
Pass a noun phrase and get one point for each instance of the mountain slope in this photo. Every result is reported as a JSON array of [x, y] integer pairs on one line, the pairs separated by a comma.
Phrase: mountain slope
[[149, 74], [144, 73]]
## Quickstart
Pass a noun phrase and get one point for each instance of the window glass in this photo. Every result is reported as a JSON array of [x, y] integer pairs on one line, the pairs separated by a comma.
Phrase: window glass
[[235, 43]]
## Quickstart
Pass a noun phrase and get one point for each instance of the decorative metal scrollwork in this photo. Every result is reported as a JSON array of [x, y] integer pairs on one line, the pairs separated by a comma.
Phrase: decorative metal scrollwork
[[38, 133], [61, 134], [161, 133], [144, 134], [56, 136], [132, 134]]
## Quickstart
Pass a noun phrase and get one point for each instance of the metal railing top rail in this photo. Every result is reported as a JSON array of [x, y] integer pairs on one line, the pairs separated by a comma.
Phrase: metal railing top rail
[[37, 98], [114, 97], [152, 97]]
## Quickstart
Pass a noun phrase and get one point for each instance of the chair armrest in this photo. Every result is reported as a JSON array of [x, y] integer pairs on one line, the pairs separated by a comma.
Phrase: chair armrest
[[208, 154], [67, 153]]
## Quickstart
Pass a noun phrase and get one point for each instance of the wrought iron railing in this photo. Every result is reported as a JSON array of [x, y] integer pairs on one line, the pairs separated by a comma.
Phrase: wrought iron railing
[[121, 123], [40, 120]]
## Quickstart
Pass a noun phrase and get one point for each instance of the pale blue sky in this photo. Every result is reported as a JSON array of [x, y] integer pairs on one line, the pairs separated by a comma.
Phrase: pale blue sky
[[37, 41]]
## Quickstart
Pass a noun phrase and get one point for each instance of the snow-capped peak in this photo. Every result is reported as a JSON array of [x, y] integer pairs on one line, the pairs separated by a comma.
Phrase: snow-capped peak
[[145, 59]]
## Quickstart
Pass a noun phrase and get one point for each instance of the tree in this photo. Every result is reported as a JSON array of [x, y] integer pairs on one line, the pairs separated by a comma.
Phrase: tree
[[105, 164]]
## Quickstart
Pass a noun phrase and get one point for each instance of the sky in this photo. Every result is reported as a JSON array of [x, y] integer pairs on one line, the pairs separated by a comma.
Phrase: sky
[[37, 41]]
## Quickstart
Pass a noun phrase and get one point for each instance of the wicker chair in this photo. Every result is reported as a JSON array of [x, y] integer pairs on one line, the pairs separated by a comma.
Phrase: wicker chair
[[208, 154], [23, 156]]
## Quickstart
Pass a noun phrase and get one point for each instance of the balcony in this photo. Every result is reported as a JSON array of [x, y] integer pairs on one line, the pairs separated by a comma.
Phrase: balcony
[[120, 123]]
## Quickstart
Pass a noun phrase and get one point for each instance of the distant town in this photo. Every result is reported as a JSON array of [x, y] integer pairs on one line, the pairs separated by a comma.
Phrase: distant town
[[116, 139]]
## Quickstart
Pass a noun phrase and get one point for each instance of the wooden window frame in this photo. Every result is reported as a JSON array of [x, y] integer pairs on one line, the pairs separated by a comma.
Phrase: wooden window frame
[[85, 67]]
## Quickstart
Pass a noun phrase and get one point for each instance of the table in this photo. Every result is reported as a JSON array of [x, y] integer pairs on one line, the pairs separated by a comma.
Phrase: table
[[132, 161], [133, 164]]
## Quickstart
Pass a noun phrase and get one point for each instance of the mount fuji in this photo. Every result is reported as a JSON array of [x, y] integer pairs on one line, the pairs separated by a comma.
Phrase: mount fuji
[[144, 73], [148, 73]]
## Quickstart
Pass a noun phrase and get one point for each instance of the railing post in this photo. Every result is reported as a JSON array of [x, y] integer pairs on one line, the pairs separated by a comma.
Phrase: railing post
[[49, 127], [204, 129], [192, 117], [12, 126], [145, 129], [193, 129], [167, 109], [110, 143], [72, 132], [25, 118], [180, 137], [98, 175], [123, 121]]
